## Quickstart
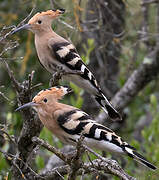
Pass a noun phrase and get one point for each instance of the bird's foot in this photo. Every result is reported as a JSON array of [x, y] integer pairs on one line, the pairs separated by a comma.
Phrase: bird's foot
[[54, 81]]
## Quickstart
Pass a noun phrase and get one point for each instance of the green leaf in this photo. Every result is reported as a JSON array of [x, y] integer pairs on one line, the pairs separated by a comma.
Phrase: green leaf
[[39, 162], [79, 102], [153, 101], [46, 134]]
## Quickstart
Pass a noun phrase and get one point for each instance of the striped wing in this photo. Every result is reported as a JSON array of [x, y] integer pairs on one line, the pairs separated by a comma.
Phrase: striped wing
[[76, 122], [66, 54]]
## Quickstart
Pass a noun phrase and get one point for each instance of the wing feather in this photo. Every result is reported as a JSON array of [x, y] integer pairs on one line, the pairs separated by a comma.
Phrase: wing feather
[[66, 54]]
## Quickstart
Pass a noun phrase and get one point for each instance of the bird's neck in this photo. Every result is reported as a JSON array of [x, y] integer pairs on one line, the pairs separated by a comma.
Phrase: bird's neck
[[47, 32]]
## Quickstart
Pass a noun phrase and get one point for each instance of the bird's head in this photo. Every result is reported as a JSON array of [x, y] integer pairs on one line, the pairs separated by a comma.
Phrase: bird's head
[[47, 97], [40, 21]]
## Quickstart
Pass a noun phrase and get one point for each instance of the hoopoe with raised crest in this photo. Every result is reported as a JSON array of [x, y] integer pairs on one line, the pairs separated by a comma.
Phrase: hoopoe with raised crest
[[68, 123], [54, 51]]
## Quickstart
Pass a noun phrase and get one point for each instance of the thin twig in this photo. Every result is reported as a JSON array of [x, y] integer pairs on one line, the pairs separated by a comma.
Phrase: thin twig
[[157, 23], [149, 2], [89, 157], [145, 26], [66, 24], [76, 162], [47, 146], [7, 34], [5, 97], [102, 164], [62, 170], [14, 81], [10, 158], [9, 45], [59, 174], [10, 59], [9, 137], [52, 4], [93, 152], [27, 17], [35, 86]]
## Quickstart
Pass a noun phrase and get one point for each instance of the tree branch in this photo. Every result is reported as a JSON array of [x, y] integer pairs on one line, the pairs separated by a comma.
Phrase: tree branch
[[146, 72], [142, 76], [31, 124], [107, 165]]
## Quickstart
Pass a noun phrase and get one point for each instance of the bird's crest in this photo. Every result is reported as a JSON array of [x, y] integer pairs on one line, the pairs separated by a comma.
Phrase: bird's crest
[[49, 13], [57, 92]]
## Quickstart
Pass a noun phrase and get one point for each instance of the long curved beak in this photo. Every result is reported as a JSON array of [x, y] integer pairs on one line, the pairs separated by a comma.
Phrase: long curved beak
[[26, 105], [25, 26]]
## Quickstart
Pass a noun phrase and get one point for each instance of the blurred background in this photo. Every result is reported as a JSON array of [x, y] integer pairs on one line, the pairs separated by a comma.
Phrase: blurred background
[[113, 38]]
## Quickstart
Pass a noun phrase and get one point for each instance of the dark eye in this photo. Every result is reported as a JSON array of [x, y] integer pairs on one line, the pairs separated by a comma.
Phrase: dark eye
[[39, 22], [45, 100]]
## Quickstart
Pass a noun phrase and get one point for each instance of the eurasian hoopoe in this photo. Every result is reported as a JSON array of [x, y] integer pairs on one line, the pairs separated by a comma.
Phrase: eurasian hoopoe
[[68, 123], [54, 51]]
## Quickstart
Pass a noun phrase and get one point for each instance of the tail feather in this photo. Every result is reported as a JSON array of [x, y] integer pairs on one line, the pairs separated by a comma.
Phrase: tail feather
[[107, 107], [138, 157]]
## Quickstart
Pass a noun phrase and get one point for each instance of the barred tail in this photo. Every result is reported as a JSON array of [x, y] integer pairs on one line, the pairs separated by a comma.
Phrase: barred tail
[[107, 106], [138, 157]]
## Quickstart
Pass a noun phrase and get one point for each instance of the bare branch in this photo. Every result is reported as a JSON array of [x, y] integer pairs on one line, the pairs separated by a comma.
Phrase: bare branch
[[9, 137], [107, 165], [52, 4], [27, 17], [54, 173], [145, 26], [5, 97], [157, 23], [148, 2], [76, 162], [66, 24], [47, 146], [14, 159], [100, 165], [16, 84], [7, 34], [146, 72], [31, 127]]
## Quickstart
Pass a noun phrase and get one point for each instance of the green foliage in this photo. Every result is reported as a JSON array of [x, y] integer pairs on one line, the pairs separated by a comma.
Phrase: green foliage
[[77, 99], [3, 165], [39, 162], [88, 49], [46, 135], [149, 146]]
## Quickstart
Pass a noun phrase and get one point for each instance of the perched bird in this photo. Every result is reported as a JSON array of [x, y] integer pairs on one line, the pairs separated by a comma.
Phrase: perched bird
[[54, 51], [68, 123]]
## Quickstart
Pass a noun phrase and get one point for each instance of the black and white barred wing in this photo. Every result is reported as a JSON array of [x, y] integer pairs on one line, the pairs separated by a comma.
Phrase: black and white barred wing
[[66, 54], [77, 122]]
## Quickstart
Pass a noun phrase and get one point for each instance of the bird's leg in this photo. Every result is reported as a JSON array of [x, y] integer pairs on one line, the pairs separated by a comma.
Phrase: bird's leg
[[54, 81]]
